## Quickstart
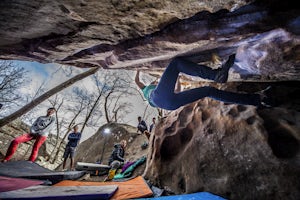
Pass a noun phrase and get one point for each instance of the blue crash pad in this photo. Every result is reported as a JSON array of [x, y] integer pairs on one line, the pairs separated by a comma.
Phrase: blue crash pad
[[194, 196]]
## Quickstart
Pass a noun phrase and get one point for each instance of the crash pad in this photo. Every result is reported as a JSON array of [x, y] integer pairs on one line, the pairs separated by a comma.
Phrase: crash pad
[[31, 170], [97, 169], [198, 196], [128, 172], [134, 188], [9, 184], [63, 193]]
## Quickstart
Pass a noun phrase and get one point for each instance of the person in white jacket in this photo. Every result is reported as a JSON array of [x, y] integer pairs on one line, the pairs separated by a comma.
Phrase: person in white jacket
[[38, 131]]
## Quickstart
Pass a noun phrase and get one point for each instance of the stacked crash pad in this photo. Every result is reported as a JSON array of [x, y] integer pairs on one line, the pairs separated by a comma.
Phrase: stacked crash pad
[[61, 193], [9, 184], [31, 170], [92, 168], [21, 188], [134, 188]]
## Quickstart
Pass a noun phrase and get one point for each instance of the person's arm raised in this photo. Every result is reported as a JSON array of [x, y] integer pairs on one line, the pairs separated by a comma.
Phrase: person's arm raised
[[137, 80]]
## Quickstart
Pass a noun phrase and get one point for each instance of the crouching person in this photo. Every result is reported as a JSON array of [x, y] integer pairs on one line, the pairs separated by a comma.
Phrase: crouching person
[[116, 160]]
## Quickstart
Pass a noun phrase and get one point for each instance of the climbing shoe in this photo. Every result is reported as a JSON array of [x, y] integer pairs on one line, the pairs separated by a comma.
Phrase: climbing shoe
[[266, 99], [222, 74]]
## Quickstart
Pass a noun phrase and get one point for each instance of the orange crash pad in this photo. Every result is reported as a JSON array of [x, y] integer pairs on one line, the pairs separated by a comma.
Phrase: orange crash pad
[[134, 188]]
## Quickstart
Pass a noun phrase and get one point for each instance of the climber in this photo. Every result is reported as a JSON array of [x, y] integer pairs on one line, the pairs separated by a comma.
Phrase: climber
[[74, 139], [116, 158], [162, 95], [38, 131]]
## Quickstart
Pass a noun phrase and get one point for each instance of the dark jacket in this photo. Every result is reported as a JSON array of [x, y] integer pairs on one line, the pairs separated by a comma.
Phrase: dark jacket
[[151, 127], [73, 139], [142, 126], [117, 154]]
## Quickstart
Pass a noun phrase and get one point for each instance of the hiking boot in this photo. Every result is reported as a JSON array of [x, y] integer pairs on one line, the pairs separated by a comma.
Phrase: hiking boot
[[222, 74]]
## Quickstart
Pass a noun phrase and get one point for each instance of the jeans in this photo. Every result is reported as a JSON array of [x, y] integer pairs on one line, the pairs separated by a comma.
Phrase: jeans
[[39, 140], [115, 164], [163, 95]]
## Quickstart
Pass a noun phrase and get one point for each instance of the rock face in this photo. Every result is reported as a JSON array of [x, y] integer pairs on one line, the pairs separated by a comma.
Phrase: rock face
[[54, 31], [17, 128], [235, 151], [130, 34]]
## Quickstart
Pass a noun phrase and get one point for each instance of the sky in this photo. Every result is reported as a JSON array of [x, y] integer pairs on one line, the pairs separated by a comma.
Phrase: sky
[[51, 75]]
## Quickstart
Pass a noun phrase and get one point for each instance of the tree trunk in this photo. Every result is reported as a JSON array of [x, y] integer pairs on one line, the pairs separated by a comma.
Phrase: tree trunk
[[91, 112], [106, 101], [46, 95], [106, 107]]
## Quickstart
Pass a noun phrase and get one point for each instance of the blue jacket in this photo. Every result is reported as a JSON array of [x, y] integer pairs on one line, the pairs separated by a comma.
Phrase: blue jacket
[[73, 139]]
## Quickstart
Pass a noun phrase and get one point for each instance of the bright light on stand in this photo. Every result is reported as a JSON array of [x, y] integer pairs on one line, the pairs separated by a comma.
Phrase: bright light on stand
[[106, 131]]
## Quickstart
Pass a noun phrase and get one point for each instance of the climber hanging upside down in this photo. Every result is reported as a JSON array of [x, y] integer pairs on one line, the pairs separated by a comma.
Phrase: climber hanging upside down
[[162, 94]]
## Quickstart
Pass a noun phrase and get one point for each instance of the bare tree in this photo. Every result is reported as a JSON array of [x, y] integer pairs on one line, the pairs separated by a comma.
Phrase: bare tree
[[57, 104], [12, 77], [75, 106], [119, 88], [92, 107], [120, 109], [84, 108], [46, 95]]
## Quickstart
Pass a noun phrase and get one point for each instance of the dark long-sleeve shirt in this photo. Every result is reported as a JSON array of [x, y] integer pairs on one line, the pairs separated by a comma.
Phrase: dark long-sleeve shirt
[[151, 127], [142, 126], [117, 154], [73, 139]]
